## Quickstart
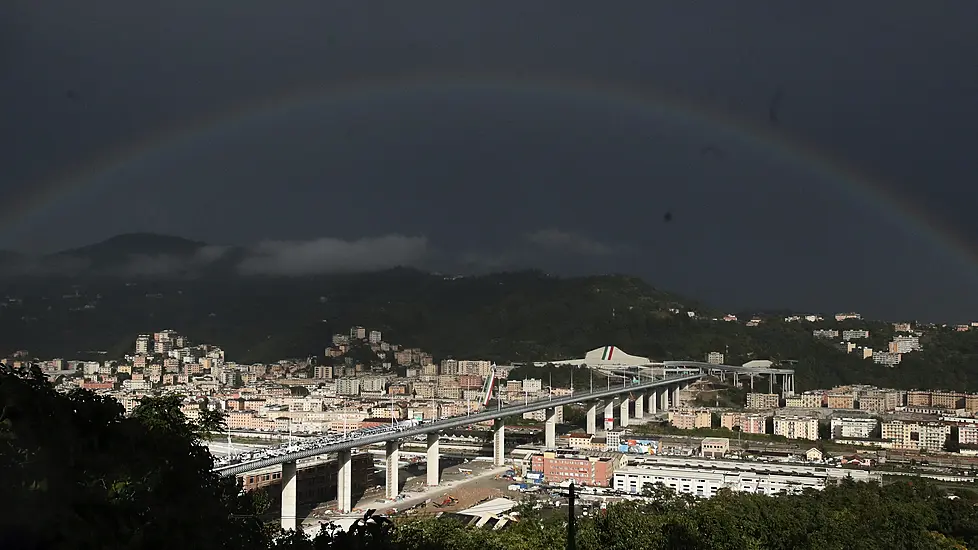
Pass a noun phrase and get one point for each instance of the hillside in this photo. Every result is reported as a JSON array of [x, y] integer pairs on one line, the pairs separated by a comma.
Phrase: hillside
[[98, 309], [526, 316]]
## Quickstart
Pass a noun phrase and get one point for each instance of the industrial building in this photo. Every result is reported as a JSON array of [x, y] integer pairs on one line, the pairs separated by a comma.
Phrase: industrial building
[[704, 478]]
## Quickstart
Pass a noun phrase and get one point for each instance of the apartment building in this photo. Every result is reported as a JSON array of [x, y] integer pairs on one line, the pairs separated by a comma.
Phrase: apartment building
[[763, 401], [348, 386], [947, 399], [796, 427], [714, 358], [855, 335], [691, 419], [905, 344], [915, 436], [751, 423], [889, 358], [853, 428], [541, 415], [841, 400]]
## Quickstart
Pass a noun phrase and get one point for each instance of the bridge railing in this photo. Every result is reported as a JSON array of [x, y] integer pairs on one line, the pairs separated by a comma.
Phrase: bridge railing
[[453, 422]]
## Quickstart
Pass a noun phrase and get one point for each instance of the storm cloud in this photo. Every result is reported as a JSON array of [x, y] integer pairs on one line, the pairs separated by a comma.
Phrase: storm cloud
[[330, 255]]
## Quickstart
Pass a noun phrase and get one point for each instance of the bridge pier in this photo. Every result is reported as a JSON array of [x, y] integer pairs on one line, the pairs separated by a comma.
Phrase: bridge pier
[[433, 458], [640, 406], [665, 399], [609, 414], [393, 448], [289, 484], [550, 429], [674, 395], [344, 482], [624, 411], [498, 443], [654, 401], [592, 418]]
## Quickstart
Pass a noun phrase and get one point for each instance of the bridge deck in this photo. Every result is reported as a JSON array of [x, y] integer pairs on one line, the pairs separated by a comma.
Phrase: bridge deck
[[454, 422]]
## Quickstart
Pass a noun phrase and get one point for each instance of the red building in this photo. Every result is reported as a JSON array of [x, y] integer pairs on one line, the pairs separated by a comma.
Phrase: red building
[[594, 471]]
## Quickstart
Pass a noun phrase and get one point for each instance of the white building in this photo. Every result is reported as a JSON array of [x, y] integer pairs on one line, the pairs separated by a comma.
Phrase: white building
[[796, 427], [853, 428], [705, 477], [916, 436], [348, 386]]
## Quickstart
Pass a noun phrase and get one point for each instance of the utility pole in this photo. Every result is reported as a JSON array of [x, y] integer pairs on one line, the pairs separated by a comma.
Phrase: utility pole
[[571, 521]]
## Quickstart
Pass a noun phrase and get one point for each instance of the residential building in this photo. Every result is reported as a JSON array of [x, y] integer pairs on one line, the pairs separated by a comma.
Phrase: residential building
[[751, 423], [763, 400], [691, 419], [796, 427], [915, 436], [853, 428]]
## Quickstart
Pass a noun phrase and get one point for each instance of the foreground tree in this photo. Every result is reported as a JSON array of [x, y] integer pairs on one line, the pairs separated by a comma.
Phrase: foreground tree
[[77, 473]]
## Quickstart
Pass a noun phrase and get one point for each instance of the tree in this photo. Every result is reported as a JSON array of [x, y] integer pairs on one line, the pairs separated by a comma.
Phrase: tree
[[83, 475]]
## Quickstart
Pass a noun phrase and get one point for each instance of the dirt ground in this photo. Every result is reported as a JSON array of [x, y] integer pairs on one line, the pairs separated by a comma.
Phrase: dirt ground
[[484, 482]]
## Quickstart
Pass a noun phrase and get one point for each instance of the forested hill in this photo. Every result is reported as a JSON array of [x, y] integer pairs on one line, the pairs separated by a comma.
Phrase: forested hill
[[524, 316]]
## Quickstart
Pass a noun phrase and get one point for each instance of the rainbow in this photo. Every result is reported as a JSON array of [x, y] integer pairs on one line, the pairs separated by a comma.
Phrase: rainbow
[[62, 188]]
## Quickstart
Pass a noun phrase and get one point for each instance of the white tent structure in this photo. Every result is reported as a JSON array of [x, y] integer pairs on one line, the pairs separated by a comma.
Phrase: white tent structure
[[607, 356]]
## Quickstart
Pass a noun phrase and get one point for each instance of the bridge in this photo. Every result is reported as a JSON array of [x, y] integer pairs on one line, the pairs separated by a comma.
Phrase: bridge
[[657, 394], [752, 370]]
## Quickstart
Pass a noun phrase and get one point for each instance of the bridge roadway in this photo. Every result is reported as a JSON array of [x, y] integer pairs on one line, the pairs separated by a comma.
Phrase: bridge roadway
[[787, 375], [669, 386], [453, 422]]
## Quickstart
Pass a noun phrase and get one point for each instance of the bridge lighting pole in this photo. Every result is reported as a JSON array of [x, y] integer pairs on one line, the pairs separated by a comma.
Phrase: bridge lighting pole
[[290, 433]]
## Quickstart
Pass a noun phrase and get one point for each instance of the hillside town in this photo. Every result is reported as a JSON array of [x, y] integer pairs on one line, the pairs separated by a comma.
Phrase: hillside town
[[363, 381]]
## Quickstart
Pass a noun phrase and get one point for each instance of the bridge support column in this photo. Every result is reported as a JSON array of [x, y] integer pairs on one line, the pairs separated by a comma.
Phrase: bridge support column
[[344, 481], [674, 395], [393, 457], [624, 411], [665, 399], [592, 418], [550, 429], [433, 457], [640, 406], [499, 443], [289, 484], [654, 401], [770, 378], [609, 415]]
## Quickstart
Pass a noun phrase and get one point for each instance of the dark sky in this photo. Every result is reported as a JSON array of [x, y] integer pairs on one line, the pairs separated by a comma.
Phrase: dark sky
[[501, 176]]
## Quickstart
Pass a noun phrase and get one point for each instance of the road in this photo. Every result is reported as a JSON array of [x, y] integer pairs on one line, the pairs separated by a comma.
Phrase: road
[[220, 448]]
